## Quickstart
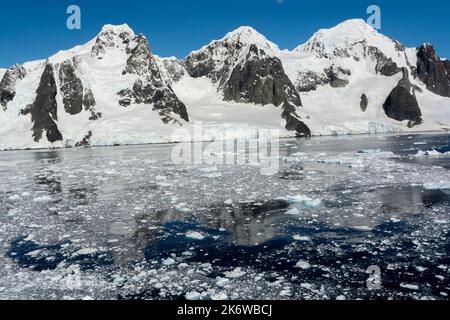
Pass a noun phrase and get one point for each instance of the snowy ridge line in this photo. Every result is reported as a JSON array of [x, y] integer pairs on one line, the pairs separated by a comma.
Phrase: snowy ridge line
[[113, 90]]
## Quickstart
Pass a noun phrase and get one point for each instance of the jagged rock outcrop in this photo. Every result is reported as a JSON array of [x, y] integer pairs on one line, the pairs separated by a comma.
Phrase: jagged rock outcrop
[[364, 102], [447, 67], [384, 65], [242, 67], [432, 71], [71, 88], [402, 104], [150, 87], [8, 84], [172, 69], [85, 142], [293, 121], [109, 39], [44, 108], [74, 94], [336, 77], [260, 80], [309, 81]]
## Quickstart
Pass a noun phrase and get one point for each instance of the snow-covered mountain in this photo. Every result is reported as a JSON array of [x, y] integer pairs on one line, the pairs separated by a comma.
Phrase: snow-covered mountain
[[349, 79]]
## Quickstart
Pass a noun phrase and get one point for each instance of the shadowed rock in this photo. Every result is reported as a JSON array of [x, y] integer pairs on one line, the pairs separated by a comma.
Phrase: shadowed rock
[[44, 108], [293, 121], [260, 80], [364, 102], [71, 88], [384, 65], [337, 77], [402, 104], [8, 84], [150, 88], [432, 71]]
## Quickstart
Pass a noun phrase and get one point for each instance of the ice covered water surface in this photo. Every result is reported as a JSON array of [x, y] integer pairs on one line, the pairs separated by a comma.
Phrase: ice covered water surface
[[126, 223]]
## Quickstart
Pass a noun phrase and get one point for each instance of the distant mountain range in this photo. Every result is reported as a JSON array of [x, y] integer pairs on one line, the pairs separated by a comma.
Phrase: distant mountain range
[[349, 79]]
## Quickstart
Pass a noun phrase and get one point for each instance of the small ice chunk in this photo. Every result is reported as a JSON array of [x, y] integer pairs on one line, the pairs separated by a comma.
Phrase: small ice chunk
[[409, 286], [304, 265], [301, 238], [363, 228], [293, 211], [168, 262], [219, 296], [213, 175], [209, 169], [43, 199], [236, 273], [85, 252], [193, 296], [304, 201], [440, 185], [195, 235]]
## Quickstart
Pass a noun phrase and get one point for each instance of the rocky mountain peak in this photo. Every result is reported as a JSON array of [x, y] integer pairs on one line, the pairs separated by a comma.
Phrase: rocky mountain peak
[[247, 36], [433, 71], [112, 37], [343, 39]]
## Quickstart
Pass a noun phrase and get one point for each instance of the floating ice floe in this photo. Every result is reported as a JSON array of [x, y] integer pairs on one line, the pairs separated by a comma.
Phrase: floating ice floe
[[440, 185], [301, 238], [213, 175], [195, 235], [304, 201], [168, 262], [236, 273], [293, 212], [304, 265], [85, 252], [209, 169], [409, 286], [43, 199], [431, 153]]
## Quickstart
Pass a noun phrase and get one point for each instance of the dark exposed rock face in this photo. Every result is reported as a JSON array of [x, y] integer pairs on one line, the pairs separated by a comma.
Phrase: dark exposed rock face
[[150, 88], [432, 71], [75, 95], [293, 121], [385, 65], [447, 67], [71, 88], [309, 81], [85, 142], [337, 77], [44, 109], [402, 104], [8, 84], [364, 102], [172, 69], [108, 40], [260, 80]]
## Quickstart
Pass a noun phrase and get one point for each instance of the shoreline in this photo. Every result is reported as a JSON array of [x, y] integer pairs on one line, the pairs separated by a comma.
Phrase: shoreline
[[443, 132]]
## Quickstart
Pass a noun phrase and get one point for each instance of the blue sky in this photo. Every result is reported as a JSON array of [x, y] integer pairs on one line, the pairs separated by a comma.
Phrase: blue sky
[[36, 29]]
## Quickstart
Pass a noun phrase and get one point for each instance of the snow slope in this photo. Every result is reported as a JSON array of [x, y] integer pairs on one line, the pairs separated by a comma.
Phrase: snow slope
[[347, 49]]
